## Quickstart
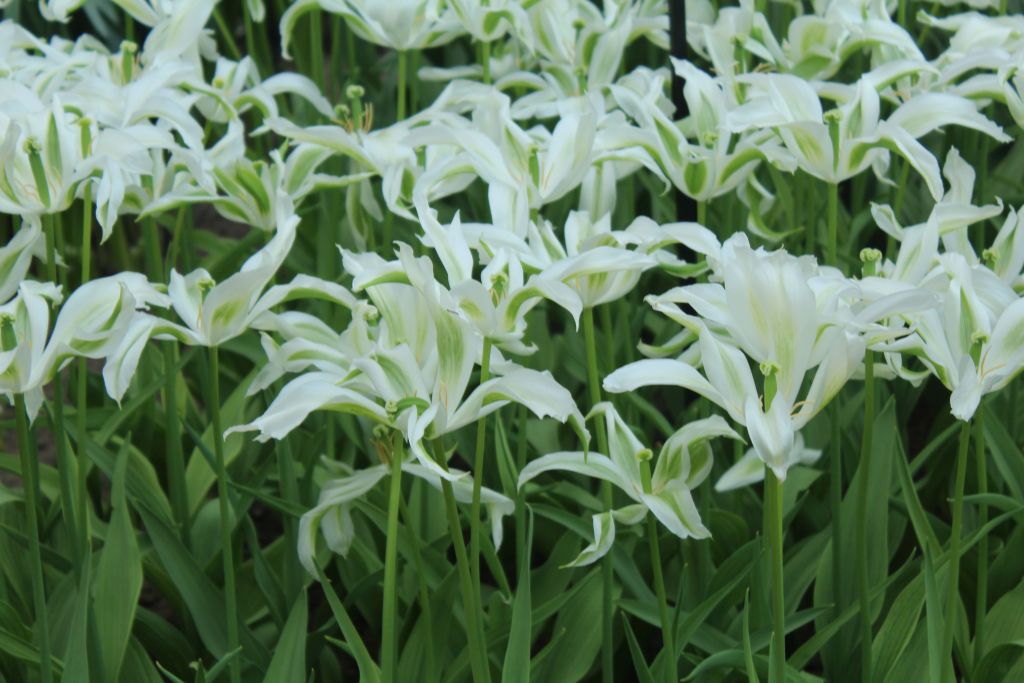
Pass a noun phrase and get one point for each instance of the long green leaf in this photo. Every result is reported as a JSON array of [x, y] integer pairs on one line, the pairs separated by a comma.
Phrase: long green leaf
[[288, 664], [118, 577]]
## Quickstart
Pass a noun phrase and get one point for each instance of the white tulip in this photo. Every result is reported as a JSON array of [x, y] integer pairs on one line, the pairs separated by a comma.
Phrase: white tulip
[[683, 463]]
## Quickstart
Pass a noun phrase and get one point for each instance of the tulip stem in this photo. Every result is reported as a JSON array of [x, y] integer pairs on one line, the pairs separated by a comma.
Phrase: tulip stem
[[424, 593], [520, 514], [835, 503], [773, 511], [607, 576], [82, 376], [485, 61], [833, 224], [230, 596], [316, 49], [981, 602], [65, 466], [667, 636], [172, 437], [474, 629], [400, 106], [952, 592], [478, 469], [30, 483], [388, 650], [862, 515]]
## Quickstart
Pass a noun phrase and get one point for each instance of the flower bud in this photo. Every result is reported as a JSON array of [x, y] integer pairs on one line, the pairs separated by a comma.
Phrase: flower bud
[[870, 257]]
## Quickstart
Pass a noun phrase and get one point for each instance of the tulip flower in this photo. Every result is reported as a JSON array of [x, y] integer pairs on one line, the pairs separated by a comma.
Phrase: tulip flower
[[684, 461]]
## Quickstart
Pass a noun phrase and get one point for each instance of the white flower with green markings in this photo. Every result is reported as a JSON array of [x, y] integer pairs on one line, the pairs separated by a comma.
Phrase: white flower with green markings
[[684, 461], [841, 143], [332, 514], [781, 312]]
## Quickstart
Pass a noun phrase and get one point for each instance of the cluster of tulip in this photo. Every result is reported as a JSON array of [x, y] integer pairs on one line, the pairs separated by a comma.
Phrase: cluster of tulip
[[437, 301]]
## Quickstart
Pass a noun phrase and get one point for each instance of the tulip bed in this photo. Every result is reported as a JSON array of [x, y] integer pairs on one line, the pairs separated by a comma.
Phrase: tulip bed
[[552, 340]]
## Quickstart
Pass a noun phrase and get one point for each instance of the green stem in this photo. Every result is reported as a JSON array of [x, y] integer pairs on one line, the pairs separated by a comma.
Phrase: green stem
[[901, 189], [702, 212], [981, 602], [773, 512], [478, 476], [485, 60], [172, 437], [82, 397], [227, 548], [291, 573], [402, 64], [667, 636], [65, 466], [952, 592], [316, 48], [607, 575], [520, 514], [835, 503], [232, 46], [424, 593], [414, 82], [833, 224], [862, 515], [120, 240], [176, 239], [477, 648], [350, 52], [389, 634], [30, 482]]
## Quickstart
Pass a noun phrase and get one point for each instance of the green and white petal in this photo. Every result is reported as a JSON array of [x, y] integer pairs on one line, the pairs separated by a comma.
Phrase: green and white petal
[[604, 536], [302, 396]]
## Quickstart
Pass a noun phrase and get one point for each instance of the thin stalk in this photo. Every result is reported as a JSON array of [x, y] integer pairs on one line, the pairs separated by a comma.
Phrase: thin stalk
[[835, 502], [337, 43], [773, 521], [667, 636], [389, 634], [414, 82], [485, 60], [232, 46], [402, 66], [901, 189], [316, 48], [30, 482], [250, 42], [702, 212], [607, 576], [952, 591], [176, 239], [520, 513], [477, 648], [862, 515], [290, 573], [833, 224], [227, 548], [981, 601], [82, 374], [66, 467], [350, 53], [172, 438], [120, 240], [478, 476], [424, 593]]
